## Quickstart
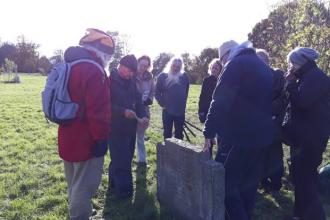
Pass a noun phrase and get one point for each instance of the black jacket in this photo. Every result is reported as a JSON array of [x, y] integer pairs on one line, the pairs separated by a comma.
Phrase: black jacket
[[278, 102], [205, 97], [309, 112], [124, 95]]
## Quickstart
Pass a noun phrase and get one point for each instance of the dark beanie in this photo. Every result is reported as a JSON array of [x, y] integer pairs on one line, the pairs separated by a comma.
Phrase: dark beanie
[[130, 62]]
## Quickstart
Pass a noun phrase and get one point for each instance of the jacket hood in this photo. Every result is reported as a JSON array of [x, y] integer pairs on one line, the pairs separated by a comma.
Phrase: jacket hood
[[76, 53]]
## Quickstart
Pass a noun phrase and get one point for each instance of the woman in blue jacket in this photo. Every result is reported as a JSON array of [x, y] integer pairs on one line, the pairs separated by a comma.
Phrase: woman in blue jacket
[[307, 126]]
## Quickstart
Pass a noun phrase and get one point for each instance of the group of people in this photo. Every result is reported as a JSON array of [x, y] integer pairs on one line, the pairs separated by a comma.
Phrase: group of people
[[252, 111], [243, 104]]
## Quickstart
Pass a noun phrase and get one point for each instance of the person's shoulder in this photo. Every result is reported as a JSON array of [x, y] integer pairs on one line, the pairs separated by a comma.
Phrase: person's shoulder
[[162, 76], [185, 75], [148, 76]]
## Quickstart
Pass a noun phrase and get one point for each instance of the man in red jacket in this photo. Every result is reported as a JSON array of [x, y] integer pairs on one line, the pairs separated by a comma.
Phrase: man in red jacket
[[83, 142]]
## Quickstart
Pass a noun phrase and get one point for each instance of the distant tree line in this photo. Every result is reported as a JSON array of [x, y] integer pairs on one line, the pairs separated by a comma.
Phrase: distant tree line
[[290, 24]]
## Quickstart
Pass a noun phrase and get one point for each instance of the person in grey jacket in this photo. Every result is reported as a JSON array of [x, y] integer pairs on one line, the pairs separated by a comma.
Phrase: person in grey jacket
[[171, 94], [146, 86]]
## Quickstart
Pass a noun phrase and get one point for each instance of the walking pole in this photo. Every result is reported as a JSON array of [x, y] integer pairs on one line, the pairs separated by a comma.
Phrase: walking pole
[[191, 132], [197, 128], [185, 133]]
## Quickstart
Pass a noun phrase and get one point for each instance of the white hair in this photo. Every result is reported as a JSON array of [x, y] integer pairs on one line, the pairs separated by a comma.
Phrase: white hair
[[169, 64], [105, 58]]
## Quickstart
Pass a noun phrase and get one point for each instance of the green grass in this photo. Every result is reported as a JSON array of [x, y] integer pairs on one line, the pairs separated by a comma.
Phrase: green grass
[[32, 183]]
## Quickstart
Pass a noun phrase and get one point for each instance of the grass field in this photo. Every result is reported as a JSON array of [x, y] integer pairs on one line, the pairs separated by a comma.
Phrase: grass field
[[32, 184]]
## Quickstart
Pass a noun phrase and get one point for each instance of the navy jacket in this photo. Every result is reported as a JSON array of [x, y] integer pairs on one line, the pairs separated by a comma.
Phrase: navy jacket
[[172, 94], [309, 113], [241, 109], [124, 95], [279, 102]]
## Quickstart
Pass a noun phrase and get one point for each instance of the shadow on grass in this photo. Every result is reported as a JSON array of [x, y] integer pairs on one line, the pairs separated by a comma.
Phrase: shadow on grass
[[273, 207], [141, 206]]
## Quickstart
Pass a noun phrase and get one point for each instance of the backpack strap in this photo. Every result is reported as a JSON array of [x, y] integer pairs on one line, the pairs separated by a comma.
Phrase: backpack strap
[[87, 61], [82, 105]]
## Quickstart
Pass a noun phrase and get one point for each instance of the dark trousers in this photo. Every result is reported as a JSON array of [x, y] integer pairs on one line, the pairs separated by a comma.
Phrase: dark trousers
[[243, 172], [120, 169], [273, 167], [168, 121], [304, 163]]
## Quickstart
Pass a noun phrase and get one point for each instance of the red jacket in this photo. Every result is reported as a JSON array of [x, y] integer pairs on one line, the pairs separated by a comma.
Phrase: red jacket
[[89, 87]]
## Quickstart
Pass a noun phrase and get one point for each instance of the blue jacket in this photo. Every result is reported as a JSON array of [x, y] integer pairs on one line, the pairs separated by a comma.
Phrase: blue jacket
[[124, 95], [309, 112], [172, 94], [241, 109]]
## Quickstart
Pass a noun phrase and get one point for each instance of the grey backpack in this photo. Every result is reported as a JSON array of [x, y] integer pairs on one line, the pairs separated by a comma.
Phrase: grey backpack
[[56, 101]]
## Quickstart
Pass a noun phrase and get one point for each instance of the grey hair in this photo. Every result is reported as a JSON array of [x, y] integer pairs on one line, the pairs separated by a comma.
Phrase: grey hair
[[263, 55], [169, 64]]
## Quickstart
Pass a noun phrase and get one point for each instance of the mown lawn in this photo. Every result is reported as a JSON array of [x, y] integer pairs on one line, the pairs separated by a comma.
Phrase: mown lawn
[[32, 184]]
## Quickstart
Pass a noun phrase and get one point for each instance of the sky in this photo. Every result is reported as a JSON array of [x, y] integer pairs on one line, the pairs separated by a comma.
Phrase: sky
[[152, 26]]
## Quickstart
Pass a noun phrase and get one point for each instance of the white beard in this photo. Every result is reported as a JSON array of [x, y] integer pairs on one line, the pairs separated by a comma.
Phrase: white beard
[[173, 78]]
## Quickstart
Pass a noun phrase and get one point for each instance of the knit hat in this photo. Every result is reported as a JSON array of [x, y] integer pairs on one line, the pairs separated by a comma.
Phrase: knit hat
[[226, 47], [301, 55], [130, 62], [98, 40]]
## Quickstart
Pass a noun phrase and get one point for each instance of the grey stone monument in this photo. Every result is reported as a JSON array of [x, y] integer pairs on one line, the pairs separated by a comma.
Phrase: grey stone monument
[[189, 183]]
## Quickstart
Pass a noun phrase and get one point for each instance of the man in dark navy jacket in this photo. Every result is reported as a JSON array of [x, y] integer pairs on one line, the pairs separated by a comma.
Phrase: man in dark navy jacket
[[241, 116], [127, 110]]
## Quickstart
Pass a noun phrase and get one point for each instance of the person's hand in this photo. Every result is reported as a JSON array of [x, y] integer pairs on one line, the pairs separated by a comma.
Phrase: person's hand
[[145, 122], [147, 102], [129, 114], [207, 144], [290, 74]]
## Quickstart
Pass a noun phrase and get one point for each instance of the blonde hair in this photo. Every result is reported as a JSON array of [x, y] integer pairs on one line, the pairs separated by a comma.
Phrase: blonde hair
[[214, 61]]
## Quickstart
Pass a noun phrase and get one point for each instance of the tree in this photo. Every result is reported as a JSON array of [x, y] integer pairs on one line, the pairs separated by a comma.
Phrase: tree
[[9, 67], [7, 50], [122, 47], [200, 64], [159, 63], [44, 65], [27, 55], [58, 57], [291, 24]]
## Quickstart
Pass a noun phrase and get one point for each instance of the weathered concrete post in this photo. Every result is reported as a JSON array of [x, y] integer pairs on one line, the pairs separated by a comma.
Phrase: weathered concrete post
[[189, 184]]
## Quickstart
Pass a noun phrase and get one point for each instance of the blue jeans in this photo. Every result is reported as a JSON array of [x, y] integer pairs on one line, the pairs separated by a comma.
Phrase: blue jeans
[[141, 148], [168, 121], [120, 169], [243, 172]]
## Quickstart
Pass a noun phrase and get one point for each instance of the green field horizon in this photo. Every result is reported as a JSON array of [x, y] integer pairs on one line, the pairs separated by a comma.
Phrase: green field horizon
[[32, 183]]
